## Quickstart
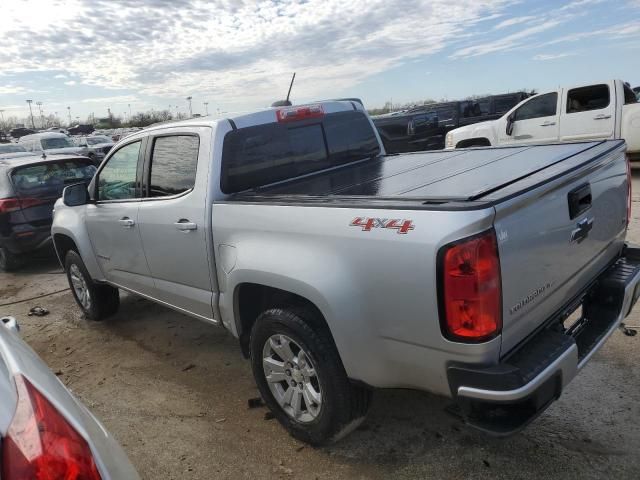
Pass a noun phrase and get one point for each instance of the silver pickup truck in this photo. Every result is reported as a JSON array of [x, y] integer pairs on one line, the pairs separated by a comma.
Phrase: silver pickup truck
[[489, 276]]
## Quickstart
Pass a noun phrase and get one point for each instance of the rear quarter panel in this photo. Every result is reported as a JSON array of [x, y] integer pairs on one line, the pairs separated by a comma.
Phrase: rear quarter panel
[[376, 289]]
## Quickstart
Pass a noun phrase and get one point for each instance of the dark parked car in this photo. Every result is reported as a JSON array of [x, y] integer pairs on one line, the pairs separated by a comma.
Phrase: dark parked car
[[81, 130], [21, 132], [425, 127], [29, 186]]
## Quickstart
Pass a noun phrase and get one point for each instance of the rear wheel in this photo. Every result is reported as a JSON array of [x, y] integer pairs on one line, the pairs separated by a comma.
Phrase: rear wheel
[[95, 300], [301, 377], [9, 261]]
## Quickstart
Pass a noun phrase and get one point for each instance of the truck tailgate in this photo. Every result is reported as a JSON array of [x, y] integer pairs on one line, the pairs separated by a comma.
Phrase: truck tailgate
[[554, 237]]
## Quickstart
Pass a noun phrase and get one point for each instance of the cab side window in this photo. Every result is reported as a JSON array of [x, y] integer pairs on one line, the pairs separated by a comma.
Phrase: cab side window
[[173, 165], [583, 99], [542, 106], [117, 180]]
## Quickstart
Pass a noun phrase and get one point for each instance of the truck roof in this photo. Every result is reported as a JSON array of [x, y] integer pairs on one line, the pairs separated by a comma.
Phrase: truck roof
[[266, 115]]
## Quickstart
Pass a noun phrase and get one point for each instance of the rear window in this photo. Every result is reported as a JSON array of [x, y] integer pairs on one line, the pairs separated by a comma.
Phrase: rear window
[[12, 148], [173, 165], [51, 177], [264, 154], [56, 142], [584, 99]]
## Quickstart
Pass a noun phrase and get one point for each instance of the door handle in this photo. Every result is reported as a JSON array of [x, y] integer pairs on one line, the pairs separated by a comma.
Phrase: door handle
[[185, 225], [547, 124], [601, 117], [126, 222]]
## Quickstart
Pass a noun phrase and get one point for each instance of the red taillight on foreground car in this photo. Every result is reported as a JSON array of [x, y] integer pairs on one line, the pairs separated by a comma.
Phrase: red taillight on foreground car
[[41, 445], [471, 289], [12, 204]]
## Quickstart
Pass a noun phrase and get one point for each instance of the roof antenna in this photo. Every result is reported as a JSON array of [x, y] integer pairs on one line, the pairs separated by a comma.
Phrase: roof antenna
[[285, 103], [44, 155]]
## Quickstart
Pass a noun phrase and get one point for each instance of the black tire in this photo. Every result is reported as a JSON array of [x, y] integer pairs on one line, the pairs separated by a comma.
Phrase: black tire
[[104, 299], [9, 262], [344, 405]]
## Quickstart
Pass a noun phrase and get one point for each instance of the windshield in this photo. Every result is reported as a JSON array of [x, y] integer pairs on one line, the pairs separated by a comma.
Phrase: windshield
[[12, 148], [56, 142], [98, 140], [50, 178]]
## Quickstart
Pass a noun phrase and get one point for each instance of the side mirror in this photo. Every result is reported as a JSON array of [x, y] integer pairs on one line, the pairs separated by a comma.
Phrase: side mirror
[[510, 122], [75, 195]]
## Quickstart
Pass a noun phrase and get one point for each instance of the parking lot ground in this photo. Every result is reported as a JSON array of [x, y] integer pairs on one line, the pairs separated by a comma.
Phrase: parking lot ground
[[174, 392]]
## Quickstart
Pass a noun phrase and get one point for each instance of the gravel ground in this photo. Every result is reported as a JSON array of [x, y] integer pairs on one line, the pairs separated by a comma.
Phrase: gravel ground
[[174, 392]]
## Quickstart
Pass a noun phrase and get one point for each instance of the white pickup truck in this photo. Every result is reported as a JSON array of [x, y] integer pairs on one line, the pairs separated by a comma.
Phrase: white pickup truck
[[342, 269], [600, 111]]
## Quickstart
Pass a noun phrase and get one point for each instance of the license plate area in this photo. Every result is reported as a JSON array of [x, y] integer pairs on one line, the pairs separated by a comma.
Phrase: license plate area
[[575, 322]]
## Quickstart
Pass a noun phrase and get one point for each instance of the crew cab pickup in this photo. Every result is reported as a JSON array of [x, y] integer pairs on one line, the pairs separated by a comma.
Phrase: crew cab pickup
[[607, 110], [424, 127], [341, 269]]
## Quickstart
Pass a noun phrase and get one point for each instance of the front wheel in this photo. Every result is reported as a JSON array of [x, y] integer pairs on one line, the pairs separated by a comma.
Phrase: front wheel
[[95, 300], [301, 377]]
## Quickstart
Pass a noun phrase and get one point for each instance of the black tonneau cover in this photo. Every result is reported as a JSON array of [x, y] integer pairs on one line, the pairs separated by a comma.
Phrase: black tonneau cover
[[434, 177]]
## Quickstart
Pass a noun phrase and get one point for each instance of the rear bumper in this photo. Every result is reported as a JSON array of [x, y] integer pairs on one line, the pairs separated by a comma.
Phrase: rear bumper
[[27, 240], [503, 398]]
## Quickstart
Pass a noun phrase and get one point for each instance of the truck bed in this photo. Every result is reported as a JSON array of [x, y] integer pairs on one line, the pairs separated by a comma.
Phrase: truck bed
[[437, 178]]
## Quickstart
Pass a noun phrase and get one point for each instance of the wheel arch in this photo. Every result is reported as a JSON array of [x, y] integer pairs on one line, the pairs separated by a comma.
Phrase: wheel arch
[[474, 142], [250, 299]]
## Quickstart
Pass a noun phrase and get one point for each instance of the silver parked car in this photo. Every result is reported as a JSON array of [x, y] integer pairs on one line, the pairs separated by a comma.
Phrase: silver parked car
[[45, 432], [50, 142], [95, 146]]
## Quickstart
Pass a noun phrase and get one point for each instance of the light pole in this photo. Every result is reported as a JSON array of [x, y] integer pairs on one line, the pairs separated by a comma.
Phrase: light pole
[[206, 109], [31, 114], [39, 104], [129, 105], [190, 111], [69, 112], [2, 116]]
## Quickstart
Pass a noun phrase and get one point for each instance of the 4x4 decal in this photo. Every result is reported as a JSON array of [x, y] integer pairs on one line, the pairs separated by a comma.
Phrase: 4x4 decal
[[402, 226]]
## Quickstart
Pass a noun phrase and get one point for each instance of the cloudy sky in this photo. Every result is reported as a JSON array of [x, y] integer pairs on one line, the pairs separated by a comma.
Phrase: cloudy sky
[[238, 55]]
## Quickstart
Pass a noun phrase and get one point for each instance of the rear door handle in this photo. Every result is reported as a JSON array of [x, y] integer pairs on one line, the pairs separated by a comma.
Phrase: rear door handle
[[601, 117], [126, 222], [185, 225], [547, 124]]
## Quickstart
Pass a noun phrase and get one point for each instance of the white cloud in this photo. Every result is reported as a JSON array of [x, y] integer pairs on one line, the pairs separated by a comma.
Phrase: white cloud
[[111, 100], [60, 75], [11, 89], [70, 82], [551, 56], [513, 21], [505, 43], [225, 48]]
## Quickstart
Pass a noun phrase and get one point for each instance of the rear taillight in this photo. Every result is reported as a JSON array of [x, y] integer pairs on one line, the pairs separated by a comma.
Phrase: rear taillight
[[292, 114], [9, 205], [629, 190], [12, 204], [41, 444], [470, 289]]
